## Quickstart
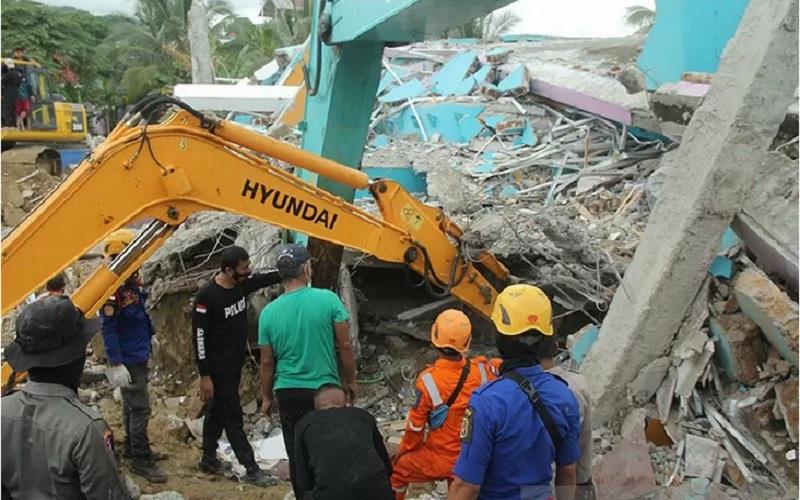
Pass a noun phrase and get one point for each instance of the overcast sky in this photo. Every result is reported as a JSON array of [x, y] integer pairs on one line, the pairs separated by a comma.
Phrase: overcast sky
[[582, 18]]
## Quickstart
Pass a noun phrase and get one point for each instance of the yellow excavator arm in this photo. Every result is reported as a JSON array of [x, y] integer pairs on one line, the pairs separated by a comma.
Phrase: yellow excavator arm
[[191, 162]]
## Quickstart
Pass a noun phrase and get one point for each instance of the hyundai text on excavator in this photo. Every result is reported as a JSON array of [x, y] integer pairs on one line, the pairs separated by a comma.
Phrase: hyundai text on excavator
[[188, 162]]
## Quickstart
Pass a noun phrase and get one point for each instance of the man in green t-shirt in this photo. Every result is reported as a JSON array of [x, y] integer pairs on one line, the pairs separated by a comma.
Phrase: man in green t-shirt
[[299, 334]]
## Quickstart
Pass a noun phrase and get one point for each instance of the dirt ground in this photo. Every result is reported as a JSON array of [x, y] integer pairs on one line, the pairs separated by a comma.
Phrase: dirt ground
[[180, 466]]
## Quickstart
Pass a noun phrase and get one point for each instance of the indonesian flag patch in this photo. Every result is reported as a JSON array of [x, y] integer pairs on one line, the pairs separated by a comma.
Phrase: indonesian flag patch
[[200, 308]]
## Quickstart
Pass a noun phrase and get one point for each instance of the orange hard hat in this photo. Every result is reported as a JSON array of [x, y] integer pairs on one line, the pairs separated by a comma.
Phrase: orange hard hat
[[452, 329]]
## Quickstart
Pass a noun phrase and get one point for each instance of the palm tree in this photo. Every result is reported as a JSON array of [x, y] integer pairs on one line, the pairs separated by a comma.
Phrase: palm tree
[[151, 48], [640, 17], [239, 47]]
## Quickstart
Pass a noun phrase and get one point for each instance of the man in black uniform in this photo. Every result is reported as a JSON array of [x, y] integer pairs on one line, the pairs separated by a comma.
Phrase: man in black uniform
[[219, 325], [340, 453]]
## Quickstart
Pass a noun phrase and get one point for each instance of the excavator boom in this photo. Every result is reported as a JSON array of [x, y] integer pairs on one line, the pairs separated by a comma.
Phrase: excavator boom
[[190, 162]]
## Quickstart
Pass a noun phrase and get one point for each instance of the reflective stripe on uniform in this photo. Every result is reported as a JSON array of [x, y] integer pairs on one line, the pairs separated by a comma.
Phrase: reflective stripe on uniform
[[414, 427], [482, 369], [433, 391]]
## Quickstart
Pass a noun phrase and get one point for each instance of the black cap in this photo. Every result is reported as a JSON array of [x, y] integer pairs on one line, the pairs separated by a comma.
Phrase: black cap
[[50, 332], [290, 258]]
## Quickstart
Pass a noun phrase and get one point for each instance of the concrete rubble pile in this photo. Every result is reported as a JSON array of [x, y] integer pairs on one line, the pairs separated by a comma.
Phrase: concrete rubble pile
[[719, 411], [557, 191]]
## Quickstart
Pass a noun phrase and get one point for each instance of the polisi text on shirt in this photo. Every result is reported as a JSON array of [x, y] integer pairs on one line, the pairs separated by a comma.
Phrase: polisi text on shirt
[[289, 204]]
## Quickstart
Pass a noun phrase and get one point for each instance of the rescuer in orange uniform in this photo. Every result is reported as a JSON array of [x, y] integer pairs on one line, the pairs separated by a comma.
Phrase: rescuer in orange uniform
[[443, 390]]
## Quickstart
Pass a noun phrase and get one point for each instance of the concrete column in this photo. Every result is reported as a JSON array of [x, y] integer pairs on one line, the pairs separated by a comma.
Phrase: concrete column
[[710, 176]]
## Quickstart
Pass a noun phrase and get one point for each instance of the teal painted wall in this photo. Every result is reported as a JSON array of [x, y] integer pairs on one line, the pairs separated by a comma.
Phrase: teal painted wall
[[689, 35]]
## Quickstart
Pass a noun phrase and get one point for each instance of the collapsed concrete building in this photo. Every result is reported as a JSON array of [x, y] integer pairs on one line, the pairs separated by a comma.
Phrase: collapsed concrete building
[[663, 224]]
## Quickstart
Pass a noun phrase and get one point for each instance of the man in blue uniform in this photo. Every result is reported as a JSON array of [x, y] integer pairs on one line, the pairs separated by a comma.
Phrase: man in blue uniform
[[127, 331], [518, 425]]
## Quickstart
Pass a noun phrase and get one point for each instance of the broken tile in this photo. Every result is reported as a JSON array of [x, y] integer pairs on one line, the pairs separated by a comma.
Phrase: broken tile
[[701, 456], [527, 137], [786, 401], [739, 348], [772, 310], [584, 339], [657, 434], [721, 267]]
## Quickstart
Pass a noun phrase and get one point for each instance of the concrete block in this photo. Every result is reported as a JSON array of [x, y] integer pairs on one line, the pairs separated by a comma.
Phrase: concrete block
[[497, 55], [771, 309], [411, 88], [786, 401], [518, 82], [739, 348], [701, 456], [768, 223], [625, 472], [709, 177]]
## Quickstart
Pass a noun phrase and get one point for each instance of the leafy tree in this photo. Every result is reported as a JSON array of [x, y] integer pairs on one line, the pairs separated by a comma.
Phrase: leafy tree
[[58, 38], [239, 47], [640, 17]]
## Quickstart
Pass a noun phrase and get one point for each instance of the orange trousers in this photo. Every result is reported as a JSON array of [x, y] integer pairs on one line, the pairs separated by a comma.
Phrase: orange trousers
[[420, 466]]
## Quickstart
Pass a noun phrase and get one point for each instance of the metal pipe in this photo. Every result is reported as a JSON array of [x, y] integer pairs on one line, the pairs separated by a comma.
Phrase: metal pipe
[[278, 149], [139, 244]]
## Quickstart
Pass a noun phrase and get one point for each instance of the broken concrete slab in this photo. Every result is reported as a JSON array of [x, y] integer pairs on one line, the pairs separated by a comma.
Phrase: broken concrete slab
[[452, 78], [701, 456], [708, 176], [771, 309], [625, 472], [645, 385], [738, 346], [786, 401], [768, 223], [410, 89]]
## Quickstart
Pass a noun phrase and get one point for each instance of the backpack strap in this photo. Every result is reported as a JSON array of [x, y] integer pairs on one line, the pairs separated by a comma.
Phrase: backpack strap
[[538, 406], [461, 380]]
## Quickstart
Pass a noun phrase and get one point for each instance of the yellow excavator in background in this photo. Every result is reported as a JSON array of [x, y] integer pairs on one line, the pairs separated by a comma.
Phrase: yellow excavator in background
[[189, 162], [53, 122]]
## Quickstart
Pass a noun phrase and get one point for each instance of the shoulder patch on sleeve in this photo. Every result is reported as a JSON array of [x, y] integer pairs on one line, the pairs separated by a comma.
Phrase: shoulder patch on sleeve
[[109, 310], [466, 426], [108, 440], [417, 399], [200, 308]]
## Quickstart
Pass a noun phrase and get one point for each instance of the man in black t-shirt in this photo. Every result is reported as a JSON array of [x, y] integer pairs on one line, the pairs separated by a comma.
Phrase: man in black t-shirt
[[339, 452], [219, 326]]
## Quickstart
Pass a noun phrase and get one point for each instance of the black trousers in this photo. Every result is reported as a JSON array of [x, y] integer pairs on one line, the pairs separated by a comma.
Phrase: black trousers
[[225, 413], [292, 405], [136, 412]]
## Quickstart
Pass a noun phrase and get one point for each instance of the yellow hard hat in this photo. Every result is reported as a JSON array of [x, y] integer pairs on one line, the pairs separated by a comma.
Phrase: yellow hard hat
[[117, 241], [520, 308], [452, 329]]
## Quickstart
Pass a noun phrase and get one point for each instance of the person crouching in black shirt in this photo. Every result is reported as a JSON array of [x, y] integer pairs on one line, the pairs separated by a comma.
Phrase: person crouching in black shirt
[[219, 327], [339, 452]]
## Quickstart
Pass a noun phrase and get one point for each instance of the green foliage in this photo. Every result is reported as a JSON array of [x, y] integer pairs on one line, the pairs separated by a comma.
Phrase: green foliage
[[47, 31]]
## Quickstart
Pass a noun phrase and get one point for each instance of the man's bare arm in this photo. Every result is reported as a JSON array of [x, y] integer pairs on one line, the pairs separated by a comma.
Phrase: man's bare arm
[[462, 490], [267, 378], [347, 358], [566, 477]]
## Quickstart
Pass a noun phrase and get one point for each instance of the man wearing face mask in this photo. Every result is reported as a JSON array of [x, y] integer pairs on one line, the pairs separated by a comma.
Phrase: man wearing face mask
[[54, 446], [219, 323], [299, 333], [127, 333]]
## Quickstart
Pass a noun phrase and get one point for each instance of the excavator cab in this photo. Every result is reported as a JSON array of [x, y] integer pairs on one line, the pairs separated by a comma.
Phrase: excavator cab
[[52, 119]]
